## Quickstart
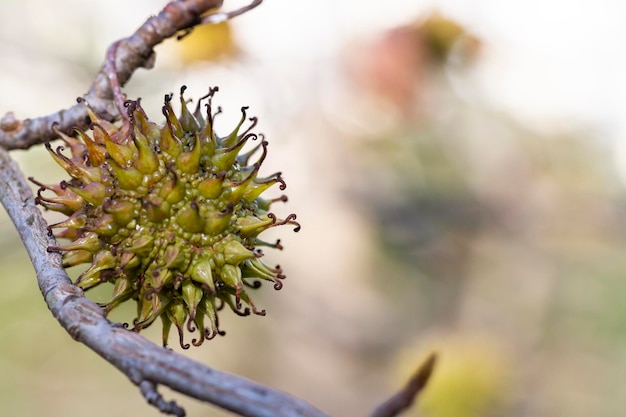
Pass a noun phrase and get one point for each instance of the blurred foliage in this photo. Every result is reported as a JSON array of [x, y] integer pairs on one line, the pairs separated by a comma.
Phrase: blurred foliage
[[486, 226], [472, 377], [442, 34], [207, 43]]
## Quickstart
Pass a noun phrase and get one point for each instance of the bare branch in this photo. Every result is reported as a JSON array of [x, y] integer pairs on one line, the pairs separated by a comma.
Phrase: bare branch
[[406, 396], [136, 51], [144, 363]]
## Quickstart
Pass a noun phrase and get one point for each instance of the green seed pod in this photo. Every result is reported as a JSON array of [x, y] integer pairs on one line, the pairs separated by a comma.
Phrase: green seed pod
[[170, 216], [123, 211]]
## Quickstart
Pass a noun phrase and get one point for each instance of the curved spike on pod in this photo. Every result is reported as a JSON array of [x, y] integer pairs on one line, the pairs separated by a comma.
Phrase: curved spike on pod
[[189, 162], [235, 305], [66, 203], [160, 277], [230, 140], [246, 299], [175, 256], [76, 257], [88, 280], [234, 252], [192, 295], [122, 153], [216, 223], [207, 306], [146, 127], [273, 179], [172, 120], [211, 187], [266, 204], [77, 148], [244, 159], [105, 226], [150, 307], [128, 178], [239, 145], [93, 193], [198, 321], [177, 314], [231, 276], [251, 226], [104, 124], [254, 121], [233, 139], [201, 272], [187, 120], [79, 172], [276, 245], [69, 234], [174, 189], [102, 260], [278, 284], [207, 148], [190, 219], [254, 284], [56, 188], [225, 158], [76, 221], [89, 242], [166, 327], [169, 143], [53, 205], [214, 116], [291, 219], [234, 191], [254, 268], [142, 245], [147, 161], [122, 291], [198, 111], [123, 211], [208, 138], [255, 167], [95, 152], [157, 210], [129, 261], [261, 159]]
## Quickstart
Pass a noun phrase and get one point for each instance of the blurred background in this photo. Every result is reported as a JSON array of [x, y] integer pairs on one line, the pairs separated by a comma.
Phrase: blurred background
[[459, 172]]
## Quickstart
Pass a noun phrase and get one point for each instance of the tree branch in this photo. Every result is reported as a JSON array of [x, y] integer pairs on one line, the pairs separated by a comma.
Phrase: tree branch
[[144, 363], [136, 51], [404, 398]]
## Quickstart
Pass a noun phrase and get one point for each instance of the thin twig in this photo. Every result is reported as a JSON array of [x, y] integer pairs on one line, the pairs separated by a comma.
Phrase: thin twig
[[406, 396], [144, 363], [220, 17], [110, 68], [134, 52]]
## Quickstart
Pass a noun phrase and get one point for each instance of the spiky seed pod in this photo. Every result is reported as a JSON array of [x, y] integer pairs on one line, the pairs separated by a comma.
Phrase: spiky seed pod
[[169, 215]]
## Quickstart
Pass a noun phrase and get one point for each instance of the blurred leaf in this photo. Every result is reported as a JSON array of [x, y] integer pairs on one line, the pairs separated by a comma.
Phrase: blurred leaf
[[208, 43]]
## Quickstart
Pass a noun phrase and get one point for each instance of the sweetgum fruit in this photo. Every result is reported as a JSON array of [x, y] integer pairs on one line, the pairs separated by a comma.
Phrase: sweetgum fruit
[[169, 215]]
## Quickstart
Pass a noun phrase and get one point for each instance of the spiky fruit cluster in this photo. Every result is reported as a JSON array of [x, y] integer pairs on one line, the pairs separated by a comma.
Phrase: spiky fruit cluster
[[169, 215]]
